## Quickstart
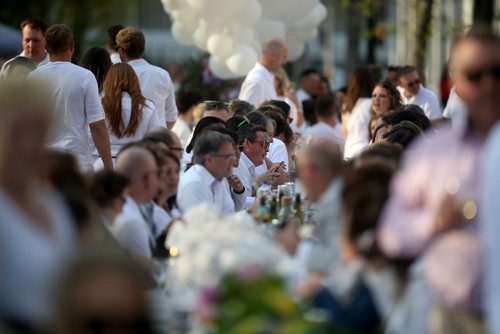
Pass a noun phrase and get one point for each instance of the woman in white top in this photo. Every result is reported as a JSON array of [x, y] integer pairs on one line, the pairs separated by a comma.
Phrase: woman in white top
[[128, 114], [356, 112], [285, 93]]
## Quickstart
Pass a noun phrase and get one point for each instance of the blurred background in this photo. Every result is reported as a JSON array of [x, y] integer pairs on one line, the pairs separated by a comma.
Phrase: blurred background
[[383, 32]]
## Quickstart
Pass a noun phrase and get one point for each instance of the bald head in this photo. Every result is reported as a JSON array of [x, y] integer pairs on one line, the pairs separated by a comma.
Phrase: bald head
[[274, 53]]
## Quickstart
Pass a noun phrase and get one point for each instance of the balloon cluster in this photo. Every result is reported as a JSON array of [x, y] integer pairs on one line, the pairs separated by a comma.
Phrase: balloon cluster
[[233, 31]]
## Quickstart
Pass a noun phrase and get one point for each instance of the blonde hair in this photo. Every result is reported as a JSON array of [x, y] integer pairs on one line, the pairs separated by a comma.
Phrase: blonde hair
[[284, 82]]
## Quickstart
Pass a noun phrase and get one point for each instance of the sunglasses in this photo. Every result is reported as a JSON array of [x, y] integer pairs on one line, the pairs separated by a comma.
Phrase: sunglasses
[[212, 105], [475, 75]]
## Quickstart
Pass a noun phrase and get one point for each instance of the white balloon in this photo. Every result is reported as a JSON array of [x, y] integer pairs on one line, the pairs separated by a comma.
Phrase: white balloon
[[249, 13], [313, 18], [181, 35], [216, 8], [219, 68], [187, 18], [242, 60], [269, 29], [171, 5], [295, 48], [242, 34], [200, 37], [220, 45]]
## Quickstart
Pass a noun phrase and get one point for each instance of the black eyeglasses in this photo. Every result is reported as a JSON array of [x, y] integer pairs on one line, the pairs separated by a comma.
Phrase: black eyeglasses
[[475, 75], [212, 105]]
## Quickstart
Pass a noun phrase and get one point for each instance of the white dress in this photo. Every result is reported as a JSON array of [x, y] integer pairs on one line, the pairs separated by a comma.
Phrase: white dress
[[357, 128]]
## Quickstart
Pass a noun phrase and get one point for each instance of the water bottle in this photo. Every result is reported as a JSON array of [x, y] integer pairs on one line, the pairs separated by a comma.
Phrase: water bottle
[[264, 191]]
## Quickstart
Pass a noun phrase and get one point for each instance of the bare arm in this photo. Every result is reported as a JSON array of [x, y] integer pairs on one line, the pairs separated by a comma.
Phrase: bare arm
[[100, 137]]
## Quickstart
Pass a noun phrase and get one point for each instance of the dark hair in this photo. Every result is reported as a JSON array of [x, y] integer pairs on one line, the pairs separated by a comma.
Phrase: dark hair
[[258, 118], [325, 106], [282, 127], [393, 68], [112, 32], [19, 61], [132, 41], [58, 38], [35, 23], [384, 151], [105, 186], [208, 142], [307, 72], [403, 133], [360, 85], [478, 32], [186, 99], [160, 135], [406, 69], [409, 112], [172, 201], [281, 105], [249, 132], [97, 61], [226, 131], [240, 107], [308, 107], [200, 126]]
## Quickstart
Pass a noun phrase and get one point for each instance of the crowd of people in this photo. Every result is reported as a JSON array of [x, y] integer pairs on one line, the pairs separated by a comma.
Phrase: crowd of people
[[101, 159]]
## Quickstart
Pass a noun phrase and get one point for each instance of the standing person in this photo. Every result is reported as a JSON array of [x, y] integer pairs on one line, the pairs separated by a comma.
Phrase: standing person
[[327, 127], [97, 61], [310, 84], [434, 197], [356, 112], [285, 93], [77, 101], [128, 114], [259, 82], [114, 55], [412, 92], [33, 31], [156, 84]]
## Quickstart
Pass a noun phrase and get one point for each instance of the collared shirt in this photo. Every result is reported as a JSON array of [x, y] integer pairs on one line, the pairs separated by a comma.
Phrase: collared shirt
[[246, 172], [156, 85], [258, 86], [183, 131], [358, 137], [277, 153], [443, 162], [425, 99], [131, 230], [77, 105], [321, 130], [5, 66], [198, 186]]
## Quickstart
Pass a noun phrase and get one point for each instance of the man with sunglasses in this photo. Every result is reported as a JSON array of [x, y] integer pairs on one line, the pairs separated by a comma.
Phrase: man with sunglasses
[[432, 211], [412, 92]]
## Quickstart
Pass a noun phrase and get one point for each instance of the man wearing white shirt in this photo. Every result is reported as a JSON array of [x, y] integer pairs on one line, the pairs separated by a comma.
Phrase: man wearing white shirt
[[77, 103], [310, 82], [259, 82], [130, 227], [255, 147], [327, 127], [455, 109], [156, 84], [205, 182], [412, 92], [186, 103], [33, 31]]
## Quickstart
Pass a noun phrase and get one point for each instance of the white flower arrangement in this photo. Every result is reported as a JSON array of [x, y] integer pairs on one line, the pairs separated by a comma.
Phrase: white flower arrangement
[[210, 245]]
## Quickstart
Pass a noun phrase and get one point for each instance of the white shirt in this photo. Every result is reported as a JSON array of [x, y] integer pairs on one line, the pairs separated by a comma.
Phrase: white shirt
[[302, 95], [491, 230], [131, 229], [198, 186], [115, 58], [455, 109], [246, 172], [156, 85], [258, 86], [77, 105], [322, 130], [358, 136], [31, 259], [149, 120], [183, 131], [5, 66], [425, 99]]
